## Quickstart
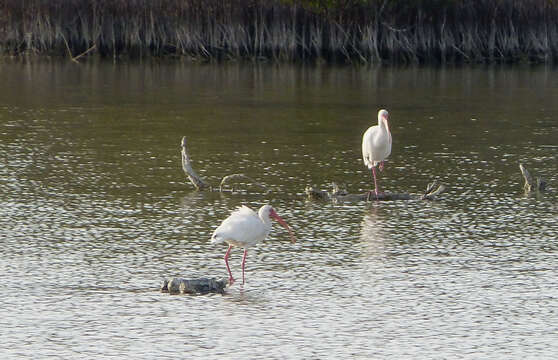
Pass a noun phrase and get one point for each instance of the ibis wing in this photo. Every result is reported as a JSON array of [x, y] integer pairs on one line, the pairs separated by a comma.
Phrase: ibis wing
[[368, 146], [241, 227], [375, 146]]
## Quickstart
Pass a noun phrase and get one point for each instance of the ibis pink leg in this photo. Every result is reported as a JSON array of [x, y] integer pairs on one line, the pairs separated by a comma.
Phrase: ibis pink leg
[[243, 262], [231, 279], [381, 166], [375, 183]]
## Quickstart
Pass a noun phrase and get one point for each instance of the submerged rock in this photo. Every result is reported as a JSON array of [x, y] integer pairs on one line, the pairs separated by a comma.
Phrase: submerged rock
[[194, 286]]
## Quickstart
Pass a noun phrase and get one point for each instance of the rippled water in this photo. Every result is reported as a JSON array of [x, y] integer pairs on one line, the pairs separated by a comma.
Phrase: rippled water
[[96, 212]]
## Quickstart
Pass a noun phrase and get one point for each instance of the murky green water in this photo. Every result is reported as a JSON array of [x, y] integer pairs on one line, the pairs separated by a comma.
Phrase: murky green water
[[96, 211]]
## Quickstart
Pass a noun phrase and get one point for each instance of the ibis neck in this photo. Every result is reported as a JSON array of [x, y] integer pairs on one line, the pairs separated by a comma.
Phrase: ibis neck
[[265, 219]]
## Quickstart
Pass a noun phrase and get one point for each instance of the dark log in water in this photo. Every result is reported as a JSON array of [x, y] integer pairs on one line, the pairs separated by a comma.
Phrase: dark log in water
[[433, 191], [198, 182], [194, 286], [363, 31], [531, 185]]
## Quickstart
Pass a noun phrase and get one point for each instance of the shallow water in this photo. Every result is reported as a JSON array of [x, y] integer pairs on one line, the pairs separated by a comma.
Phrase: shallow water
[[96, 211]]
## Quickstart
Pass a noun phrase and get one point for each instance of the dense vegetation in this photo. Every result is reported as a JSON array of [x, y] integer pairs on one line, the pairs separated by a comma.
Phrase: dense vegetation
[[402, 31]]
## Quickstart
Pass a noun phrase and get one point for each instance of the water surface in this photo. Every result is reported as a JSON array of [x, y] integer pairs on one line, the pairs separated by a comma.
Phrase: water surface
[[96, 211]]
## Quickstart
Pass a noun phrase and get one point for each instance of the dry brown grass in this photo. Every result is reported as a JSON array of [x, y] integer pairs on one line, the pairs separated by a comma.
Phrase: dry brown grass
[[364, 31]]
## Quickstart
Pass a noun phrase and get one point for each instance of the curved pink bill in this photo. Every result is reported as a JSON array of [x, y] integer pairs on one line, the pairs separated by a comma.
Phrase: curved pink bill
[[274, 215], [386, 123]]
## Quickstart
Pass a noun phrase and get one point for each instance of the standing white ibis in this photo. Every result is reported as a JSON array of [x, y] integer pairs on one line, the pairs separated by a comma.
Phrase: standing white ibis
[[376, 145], [245, 228]]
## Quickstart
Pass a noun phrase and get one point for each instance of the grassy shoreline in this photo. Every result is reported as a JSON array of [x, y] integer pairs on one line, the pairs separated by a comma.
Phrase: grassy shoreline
[[333, 31]]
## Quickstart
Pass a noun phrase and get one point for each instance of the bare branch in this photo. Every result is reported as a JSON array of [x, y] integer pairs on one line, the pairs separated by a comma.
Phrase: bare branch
[[528, 179], [68, 48], [531, 185], [75, 58], [433, 190], [195, 179], [240, 176], [85, 52]]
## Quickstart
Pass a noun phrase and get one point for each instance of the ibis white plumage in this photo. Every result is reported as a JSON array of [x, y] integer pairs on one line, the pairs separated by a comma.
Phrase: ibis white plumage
[[245, 228], [376, 145]]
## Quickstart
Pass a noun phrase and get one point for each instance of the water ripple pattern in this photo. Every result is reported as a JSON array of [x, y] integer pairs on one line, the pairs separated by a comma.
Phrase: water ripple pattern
[[96, 212]]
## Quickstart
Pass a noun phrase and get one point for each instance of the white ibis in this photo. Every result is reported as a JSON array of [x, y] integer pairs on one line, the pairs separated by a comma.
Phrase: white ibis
[[376, 145], [244, 228]]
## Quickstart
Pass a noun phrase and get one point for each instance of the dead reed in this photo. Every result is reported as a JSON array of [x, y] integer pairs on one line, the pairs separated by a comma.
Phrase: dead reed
[[364, 31]]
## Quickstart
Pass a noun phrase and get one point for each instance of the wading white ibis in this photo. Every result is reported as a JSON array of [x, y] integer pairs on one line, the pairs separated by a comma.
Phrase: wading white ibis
[[376, 145], [245, 228]]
